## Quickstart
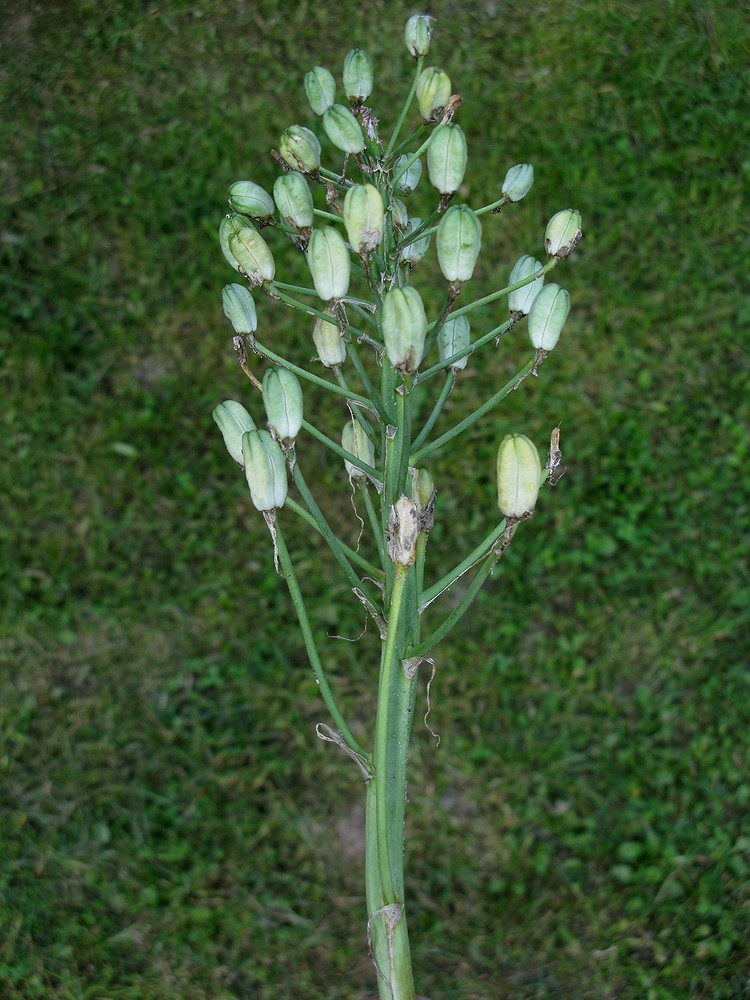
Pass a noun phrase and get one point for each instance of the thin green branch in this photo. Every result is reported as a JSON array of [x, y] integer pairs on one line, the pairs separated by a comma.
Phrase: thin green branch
[[469, 349], [405, 109], [341, 452], [446, 582], [352, 555], [374, 519], [450, 381], [312, 652], [517, 379]]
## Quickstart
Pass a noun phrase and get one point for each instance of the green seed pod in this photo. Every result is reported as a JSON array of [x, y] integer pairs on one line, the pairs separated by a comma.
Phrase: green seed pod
[[404, 328], [329, 263], [522, 298], [459, 240], [563, 233], [329, 342], [356, 442], [239, 308], [416, 250], [293, 200], [446, 158], [265, 470], [433, 91], [547, 316], [364, 217], [400, 215], [417, 35], [300, 148], [343, 129], [252, 254], [250, 199], [519, 474], [408, 181], [228, 227], [454, 336], [424, 487], [320, 88], [358, 75], [233, 421], [282, 398], [518, 182]]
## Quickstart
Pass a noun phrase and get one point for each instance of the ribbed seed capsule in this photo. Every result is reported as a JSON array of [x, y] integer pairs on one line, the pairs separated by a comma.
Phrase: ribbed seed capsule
[[356, 442], [446, 158], [294, 200], [522, 298], [329, 263], [518, 182], [519, 475], [282, 398], [328, 341], [433, 91], [320, 89], [404, 328], [364, 217], [239, 308], [233, 421], [407, 181], [300, 148], [547, 316], [343, 129], [417, 35], [415, 251], [249, 198], [454, 336], [252, 254], [265, 470], [399, 214], [358, 75], [563, 233], [229, 226], [459, 240]]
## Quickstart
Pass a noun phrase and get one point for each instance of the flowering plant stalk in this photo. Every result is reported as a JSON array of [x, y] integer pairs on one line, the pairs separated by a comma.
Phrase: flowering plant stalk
[[375, 342]]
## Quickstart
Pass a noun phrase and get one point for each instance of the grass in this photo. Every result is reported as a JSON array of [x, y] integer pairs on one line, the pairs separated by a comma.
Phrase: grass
[[170, 826]]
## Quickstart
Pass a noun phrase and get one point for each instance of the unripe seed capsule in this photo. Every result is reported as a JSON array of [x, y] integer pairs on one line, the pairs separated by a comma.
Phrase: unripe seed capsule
[[233, 421], [454, 336], [410, 177], [252, 254], [522, 299], [329, 342], [265, 470], [519, 474], [293, 200], [364, 217], [343, 129], [228, 227], [424, 487], [433, 91], [250, 199], [300, 148], [549, 311], [404, 328], [320, 88], [446, 158], [356, 442], [415, 251], [459, 240], [358, 75], [399, 214], [563, 233], [518, 182], [329, 263], [417, 35], [282, 398], [239, 308]]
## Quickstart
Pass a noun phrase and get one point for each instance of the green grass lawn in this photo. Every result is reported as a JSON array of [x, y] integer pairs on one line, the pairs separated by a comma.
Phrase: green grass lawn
[[169, 824]]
